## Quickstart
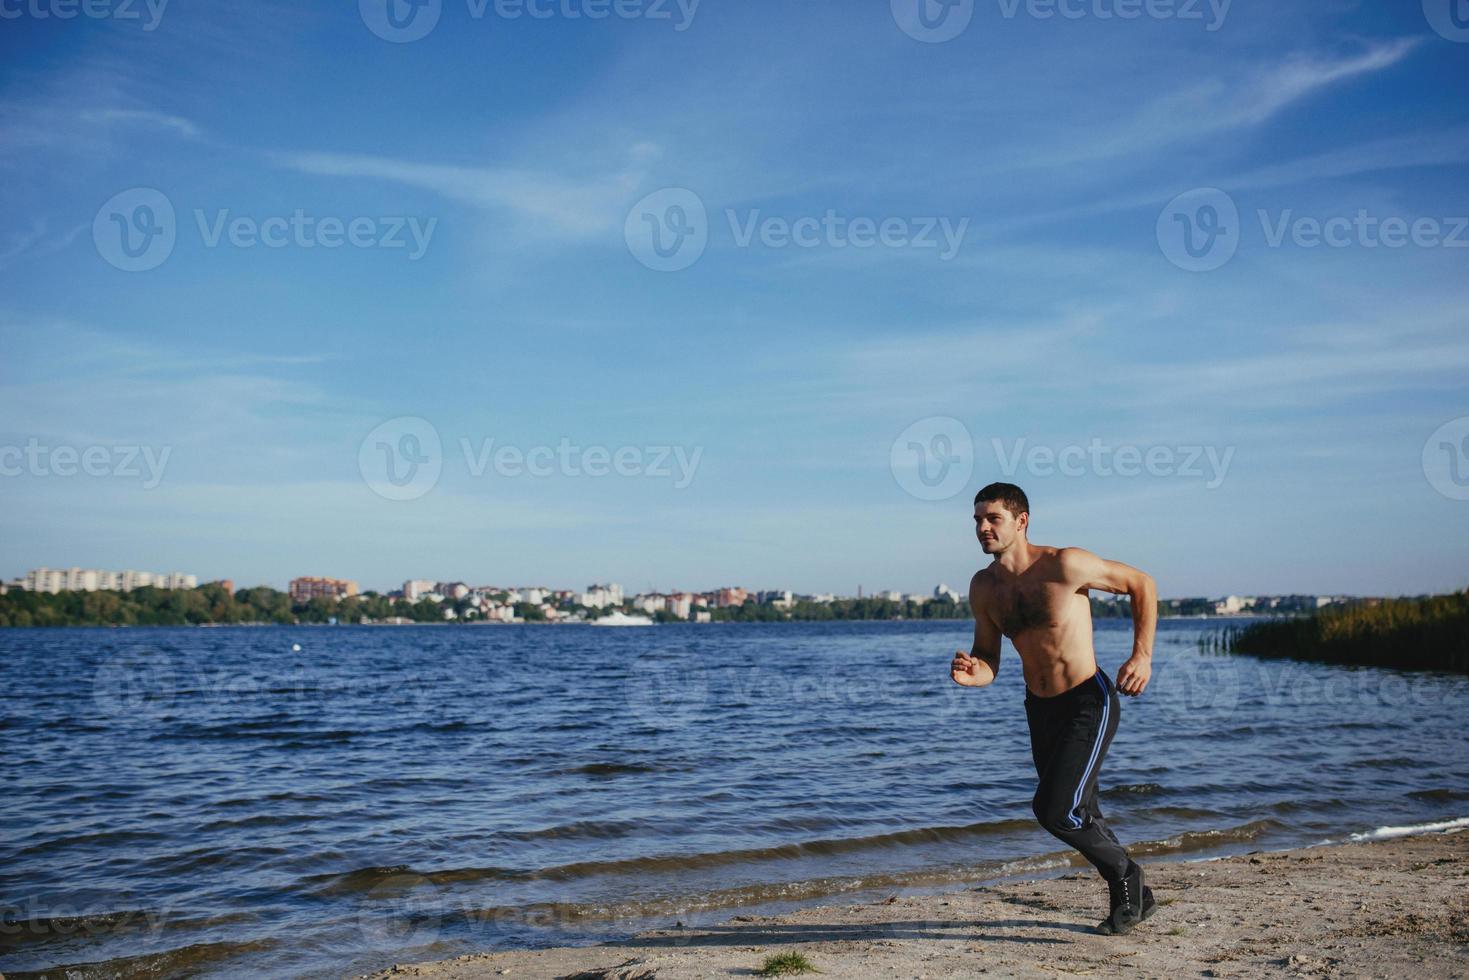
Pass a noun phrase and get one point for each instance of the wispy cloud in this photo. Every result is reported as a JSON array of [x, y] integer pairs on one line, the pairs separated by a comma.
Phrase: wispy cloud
[[576, 207], [1232, 98], [144, 118]]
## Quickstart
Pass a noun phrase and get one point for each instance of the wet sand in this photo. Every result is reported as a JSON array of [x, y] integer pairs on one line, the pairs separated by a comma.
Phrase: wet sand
[[1386, 908]]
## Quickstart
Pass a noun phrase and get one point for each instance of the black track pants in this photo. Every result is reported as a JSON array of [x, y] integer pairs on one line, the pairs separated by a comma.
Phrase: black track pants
[[1069, 736]]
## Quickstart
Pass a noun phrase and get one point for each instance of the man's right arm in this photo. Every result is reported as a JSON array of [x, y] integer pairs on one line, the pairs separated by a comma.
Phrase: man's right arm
[[978, 667]]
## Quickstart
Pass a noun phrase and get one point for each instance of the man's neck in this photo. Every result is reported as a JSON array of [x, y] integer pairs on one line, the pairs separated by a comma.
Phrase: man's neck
[[1018, 557]]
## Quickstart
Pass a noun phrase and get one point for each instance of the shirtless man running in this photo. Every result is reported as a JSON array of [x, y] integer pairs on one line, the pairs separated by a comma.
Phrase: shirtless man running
[[1037, 596]]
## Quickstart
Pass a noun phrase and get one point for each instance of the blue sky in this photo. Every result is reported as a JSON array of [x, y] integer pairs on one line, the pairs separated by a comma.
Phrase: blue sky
[[1066, 316]]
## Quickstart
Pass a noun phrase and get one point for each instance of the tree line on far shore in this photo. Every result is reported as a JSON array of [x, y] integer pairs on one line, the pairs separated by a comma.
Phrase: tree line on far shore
[[212, 604], [209, 604], [1422, 633]]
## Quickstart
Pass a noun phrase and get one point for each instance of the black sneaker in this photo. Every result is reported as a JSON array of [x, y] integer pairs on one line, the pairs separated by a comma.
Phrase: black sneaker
[[1132, 902]]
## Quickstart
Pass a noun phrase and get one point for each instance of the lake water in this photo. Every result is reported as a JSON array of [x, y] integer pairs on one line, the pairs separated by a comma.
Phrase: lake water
[[325, 801]]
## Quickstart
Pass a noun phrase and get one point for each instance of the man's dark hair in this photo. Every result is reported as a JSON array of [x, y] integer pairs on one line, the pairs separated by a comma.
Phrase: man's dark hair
[[1008, 494]]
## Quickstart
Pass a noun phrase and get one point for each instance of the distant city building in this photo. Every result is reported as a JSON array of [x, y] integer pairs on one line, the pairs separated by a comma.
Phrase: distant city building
[[600, 596], [97, 580], [890, 595], [943, 592], [308, 587], [452, 590], [416, 588], [1230, 604], [681, 604], [649, 602], [724, 598]]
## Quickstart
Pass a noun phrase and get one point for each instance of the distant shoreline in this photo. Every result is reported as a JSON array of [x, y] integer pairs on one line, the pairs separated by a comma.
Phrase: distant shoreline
[[476, 624]]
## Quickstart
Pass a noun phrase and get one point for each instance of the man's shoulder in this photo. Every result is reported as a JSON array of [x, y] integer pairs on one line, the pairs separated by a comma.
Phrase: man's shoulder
[[1075, 565], [1071, 556]]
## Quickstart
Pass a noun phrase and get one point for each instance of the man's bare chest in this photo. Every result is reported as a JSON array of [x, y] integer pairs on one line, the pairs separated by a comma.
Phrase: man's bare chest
[[1021, 606]]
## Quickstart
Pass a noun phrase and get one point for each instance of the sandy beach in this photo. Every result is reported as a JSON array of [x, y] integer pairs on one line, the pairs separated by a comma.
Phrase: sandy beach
[[1384, 908]]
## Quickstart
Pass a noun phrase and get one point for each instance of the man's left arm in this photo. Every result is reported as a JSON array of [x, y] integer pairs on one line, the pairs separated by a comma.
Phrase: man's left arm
[[1086, 570]]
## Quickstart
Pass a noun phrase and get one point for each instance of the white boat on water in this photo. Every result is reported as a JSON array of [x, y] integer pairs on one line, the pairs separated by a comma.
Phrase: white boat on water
[[620, 618]]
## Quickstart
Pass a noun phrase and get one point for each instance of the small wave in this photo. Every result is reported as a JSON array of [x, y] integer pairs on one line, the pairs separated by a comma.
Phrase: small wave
[[1395, 762], [1179, 812], [580, 830], [403, 877], [1199, 840], [108, 838], [1382, 833], [1134, 789], [1439, 795], [724, 899], [1295, 806], [606, 769], [185, 961], [46, 928]]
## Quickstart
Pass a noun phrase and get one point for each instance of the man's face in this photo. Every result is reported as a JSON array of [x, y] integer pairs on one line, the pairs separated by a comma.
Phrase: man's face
[[995, 527]]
